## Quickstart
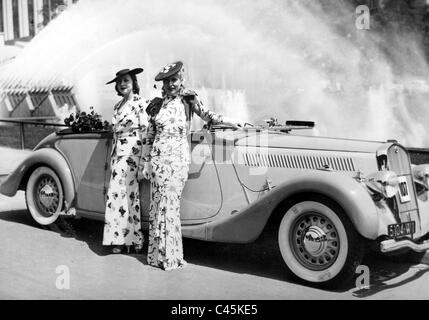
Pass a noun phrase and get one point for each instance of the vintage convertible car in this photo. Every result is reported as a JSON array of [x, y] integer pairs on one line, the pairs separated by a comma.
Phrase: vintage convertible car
[[326, 197]]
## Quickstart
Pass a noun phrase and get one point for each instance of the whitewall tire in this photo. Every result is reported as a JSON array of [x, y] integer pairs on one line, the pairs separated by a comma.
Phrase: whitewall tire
[[317, 242], [44, 196]]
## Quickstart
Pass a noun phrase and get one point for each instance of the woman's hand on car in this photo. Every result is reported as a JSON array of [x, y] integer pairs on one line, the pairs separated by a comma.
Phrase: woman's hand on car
[[234, 123]]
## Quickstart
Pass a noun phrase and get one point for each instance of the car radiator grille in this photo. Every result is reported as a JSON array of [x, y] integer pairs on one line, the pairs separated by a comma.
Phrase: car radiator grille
[[298, 161], [398, 161]]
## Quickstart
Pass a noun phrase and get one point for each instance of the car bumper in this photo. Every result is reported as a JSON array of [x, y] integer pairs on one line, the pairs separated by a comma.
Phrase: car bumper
[[394, 245]]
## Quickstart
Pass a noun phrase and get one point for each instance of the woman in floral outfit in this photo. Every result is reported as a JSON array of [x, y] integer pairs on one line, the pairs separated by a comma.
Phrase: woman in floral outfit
[[168, 150], [122, 220]]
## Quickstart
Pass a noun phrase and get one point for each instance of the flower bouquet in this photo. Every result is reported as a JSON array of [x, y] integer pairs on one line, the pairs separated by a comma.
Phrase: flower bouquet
[[87, 122]]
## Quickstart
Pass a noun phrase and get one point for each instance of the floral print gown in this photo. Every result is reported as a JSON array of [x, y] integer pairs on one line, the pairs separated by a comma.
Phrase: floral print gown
[[170, 158], [122, 218]]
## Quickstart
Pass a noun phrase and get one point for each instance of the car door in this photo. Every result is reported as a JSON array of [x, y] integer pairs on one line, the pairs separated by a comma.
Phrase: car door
[[88, 155], [202, 197]]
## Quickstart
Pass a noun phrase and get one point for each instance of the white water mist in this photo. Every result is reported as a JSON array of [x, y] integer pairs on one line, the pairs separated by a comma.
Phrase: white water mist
[[249, 60]]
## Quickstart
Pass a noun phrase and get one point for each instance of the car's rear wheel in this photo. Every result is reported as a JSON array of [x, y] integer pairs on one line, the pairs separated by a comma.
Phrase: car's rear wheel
[[318, 243], [44, 196]]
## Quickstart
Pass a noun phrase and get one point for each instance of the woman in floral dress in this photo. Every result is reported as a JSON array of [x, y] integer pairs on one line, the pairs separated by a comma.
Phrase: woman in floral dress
[[122, 220], [168, 150]]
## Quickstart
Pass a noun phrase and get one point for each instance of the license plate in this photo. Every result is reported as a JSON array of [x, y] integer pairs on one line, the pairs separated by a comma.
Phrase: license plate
[[404, 193], [401, 229]]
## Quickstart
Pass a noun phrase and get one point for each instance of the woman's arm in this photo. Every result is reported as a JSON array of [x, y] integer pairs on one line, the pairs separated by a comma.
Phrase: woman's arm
[[196, 106], [143, 124], [148, 136], [147, 140], [151, 110]]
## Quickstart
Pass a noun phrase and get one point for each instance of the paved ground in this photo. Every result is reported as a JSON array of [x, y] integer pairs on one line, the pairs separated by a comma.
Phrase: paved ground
[[34, 261], [32, 258]]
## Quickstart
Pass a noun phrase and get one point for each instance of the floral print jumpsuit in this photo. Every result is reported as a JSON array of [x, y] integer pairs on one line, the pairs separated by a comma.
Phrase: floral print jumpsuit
[[170, 158], [122, 218]]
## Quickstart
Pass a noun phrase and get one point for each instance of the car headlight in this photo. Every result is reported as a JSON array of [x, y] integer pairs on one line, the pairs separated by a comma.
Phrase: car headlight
[[384, 183], [421, 177]]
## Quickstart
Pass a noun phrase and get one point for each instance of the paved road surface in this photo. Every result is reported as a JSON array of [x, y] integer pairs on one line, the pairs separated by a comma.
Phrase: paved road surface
[[31, 255]]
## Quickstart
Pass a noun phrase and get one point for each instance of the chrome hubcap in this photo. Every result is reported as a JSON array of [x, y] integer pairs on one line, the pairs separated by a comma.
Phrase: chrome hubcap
[[315, 241], [47, 195]]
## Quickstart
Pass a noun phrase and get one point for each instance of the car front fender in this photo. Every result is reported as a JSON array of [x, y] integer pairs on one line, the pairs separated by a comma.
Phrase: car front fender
[[246, 225], [42, 157]]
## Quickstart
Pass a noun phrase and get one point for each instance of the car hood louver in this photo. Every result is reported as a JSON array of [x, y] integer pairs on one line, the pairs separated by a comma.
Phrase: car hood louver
[[295, 161]]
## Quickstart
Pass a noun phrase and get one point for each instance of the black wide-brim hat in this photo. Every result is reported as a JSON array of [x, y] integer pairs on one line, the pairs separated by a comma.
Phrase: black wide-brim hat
[[169, 70], [123, 72]]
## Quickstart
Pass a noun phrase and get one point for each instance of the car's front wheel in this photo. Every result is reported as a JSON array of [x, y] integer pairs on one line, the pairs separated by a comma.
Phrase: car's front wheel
[[318, 243], [44, 196]]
